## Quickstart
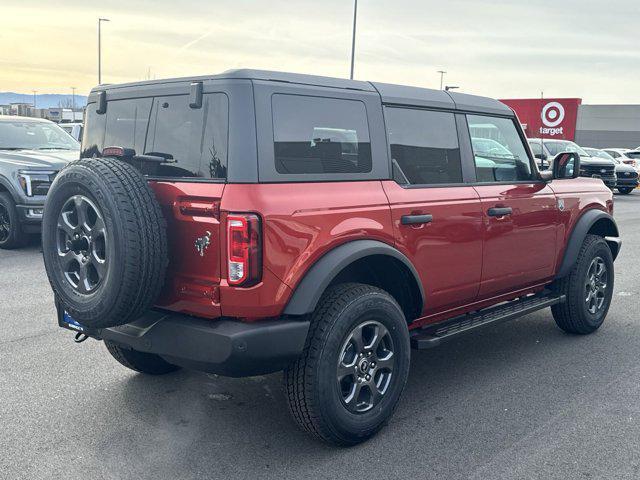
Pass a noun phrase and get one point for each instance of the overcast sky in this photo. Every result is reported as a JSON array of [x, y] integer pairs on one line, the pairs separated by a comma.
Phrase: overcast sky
[[500, 48]]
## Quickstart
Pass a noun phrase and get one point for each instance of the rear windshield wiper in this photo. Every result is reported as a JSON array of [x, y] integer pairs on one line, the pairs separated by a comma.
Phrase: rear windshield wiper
[[13, 148], [53, 148], [156, 157]]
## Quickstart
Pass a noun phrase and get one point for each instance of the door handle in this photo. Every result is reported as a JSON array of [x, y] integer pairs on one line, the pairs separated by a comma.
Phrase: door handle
[[499, 211], [416, 219]]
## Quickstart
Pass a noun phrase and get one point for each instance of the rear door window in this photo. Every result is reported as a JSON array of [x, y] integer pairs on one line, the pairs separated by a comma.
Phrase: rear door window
[[316, 135], [195, 138], [424, 146]]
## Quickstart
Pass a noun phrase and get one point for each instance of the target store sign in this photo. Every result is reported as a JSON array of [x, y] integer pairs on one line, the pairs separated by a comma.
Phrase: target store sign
[[547, 118]]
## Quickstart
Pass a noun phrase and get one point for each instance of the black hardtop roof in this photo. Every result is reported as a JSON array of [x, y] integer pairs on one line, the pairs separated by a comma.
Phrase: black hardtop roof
[[390, 93]]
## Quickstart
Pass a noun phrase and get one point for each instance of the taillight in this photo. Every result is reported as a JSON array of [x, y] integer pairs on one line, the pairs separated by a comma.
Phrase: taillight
[[244, 249]]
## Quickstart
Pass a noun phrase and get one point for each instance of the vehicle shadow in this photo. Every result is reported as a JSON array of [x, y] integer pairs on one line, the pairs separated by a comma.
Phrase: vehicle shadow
[[464, 400]]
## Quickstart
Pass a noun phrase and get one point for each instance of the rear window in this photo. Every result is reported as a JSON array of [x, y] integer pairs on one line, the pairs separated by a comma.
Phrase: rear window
[[314, 135], [127, 123], [634, 155], [195, 140]]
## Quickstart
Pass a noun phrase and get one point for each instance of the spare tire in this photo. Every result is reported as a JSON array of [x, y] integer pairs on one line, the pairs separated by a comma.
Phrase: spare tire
[[104, 242]]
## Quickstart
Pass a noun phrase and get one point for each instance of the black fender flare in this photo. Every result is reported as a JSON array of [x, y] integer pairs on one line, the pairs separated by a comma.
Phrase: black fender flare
[[582, 227], [315, 281]]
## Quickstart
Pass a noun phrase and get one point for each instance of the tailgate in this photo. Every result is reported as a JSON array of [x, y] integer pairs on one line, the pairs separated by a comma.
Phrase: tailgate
[[192, 212]]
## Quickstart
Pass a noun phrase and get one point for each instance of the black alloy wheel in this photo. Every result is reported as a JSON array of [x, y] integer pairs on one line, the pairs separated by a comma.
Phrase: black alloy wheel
[[365, 366], [596, 285], [82, 244], [5, 224]]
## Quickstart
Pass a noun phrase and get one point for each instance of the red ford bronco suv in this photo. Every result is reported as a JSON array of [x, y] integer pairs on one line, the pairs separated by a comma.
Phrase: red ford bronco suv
[[252, 222]]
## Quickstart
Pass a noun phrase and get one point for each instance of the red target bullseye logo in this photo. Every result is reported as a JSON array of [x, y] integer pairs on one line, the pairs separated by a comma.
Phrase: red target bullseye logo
[[552, 114]]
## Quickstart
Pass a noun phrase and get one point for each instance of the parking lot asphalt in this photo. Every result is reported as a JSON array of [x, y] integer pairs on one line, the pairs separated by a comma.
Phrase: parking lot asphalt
[[517, 401]]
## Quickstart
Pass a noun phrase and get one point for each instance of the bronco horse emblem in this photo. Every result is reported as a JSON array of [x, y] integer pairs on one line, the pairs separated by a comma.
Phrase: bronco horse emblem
[[202, 243]]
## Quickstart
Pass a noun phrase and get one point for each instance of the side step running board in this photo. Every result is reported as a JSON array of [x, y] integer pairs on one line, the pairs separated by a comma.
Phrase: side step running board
[[432, 335]]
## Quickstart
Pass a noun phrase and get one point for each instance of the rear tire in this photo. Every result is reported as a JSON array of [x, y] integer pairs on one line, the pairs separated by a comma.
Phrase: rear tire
[[11, 234], [348, 381], [139, 361], [625, 191], [588, 289]]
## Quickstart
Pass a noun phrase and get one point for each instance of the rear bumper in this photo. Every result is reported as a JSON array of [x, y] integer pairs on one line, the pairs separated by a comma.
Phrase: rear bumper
[[226, 347]]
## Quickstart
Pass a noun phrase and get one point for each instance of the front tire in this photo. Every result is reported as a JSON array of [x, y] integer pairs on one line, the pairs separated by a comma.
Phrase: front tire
[[142, 362], [11, 234], [588, 289], [354, 367]]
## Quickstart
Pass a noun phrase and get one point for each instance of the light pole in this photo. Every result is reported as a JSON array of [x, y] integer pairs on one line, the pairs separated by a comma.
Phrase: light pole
[[441, 72], [353, 37], [73, 98], [100, 20], [34, 98]]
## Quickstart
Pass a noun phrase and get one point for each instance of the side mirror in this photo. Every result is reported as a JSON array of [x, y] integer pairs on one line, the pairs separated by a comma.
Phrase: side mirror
[[566, 165], [540, 156]]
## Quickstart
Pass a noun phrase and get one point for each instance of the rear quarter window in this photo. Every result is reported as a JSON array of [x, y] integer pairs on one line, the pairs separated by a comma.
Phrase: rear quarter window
[[317, 135]]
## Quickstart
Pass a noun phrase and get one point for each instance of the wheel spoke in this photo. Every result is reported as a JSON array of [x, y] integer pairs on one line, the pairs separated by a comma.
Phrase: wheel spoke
[[589, 295], [376, 395], [65, 225], [380, 333], [345, 371], [66, 258], [593, 303], [385, 363], [101, 267], [97, 227], [83, 283], [600, 269], [352, 399], [81, 210]]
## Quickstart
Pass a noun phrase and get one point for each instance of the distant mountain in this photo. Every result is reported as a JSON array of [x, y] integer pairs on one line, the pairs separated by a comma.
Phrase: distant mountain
[[47, 100]]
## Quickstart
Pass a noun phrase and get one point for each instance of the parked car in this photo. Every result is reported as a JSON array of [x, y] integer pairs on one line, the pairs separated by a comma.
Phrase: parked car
[[589, 166], [629, 157], [73, 129], [626, 175], [541, 153], [251, 222], [32, 151]]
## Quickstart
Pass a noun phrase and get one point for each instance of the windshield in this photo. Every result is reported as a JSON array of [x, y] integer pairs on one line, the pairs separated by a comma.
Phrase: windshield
[[490, 148], [594, 152], [557, 147], [21, 135], [635, 155]]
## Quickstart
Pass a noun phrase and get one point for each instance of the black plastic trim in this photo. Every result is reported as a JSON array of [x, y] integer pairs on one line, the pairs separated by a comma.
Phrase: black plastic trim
[[583, 225], [225, 347], [319, 276]]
